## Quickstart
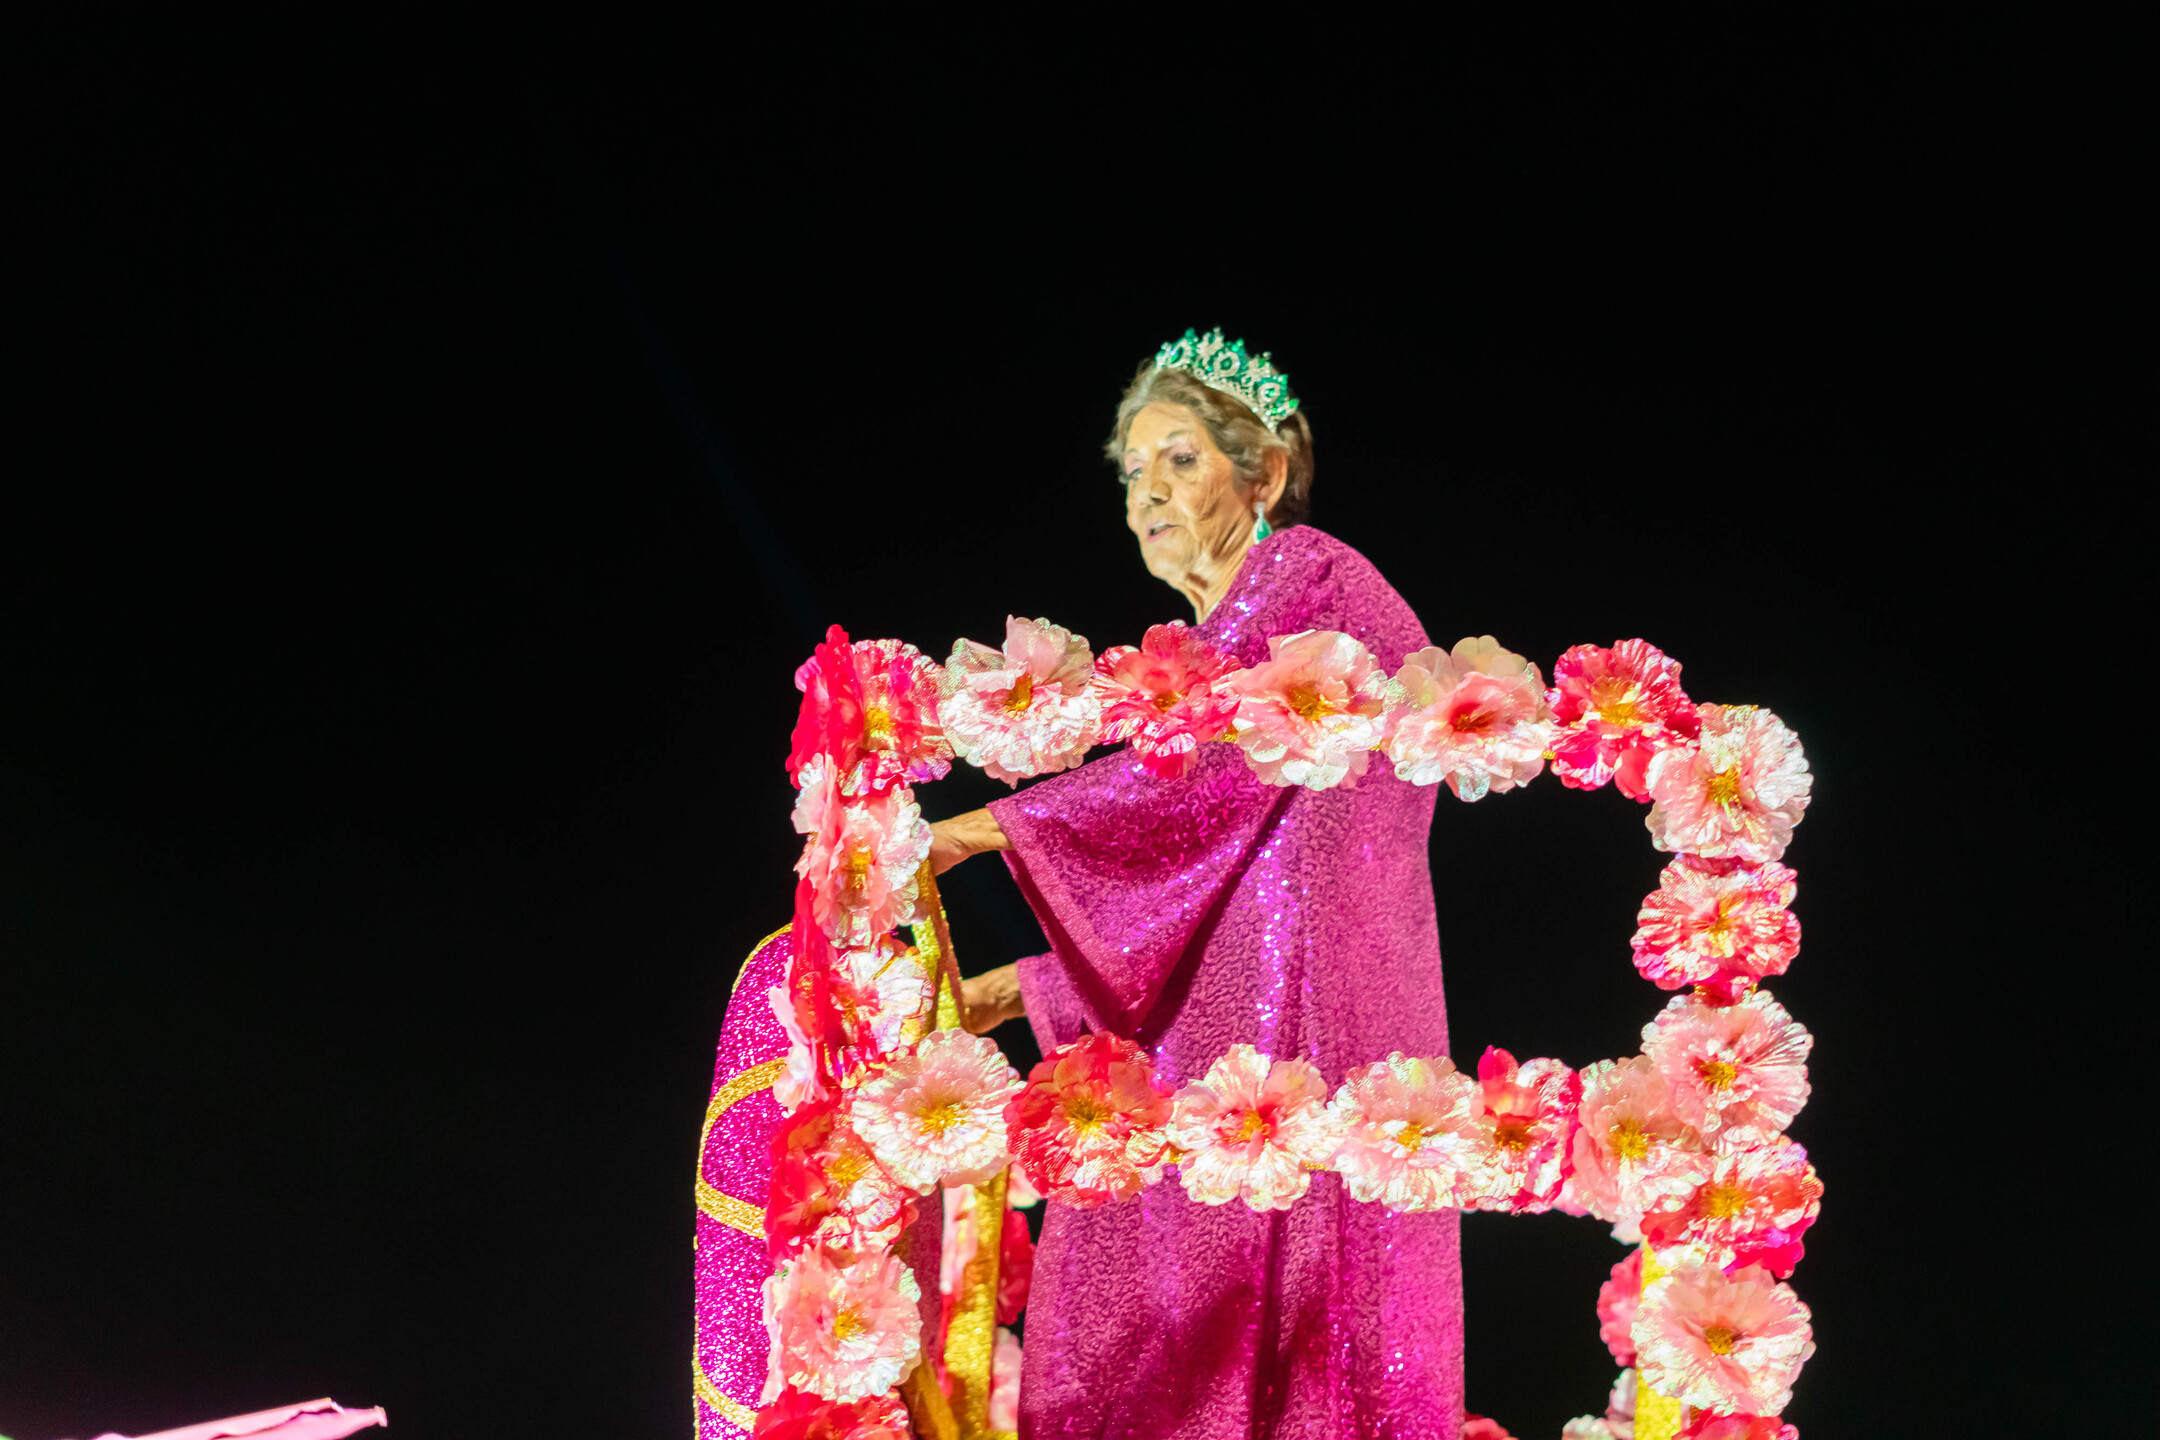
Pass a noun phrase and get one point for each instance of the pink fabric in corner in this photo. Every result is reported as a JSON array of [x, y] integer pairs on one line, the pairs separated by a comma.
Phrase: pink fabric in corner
[[1193, 915], [310, 1420]]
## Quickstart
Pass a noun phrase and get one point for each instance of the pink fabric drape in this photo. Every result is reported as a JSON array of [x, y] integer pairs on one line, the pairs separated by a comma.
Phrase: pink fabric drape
[[1192, 915], [309, 1420]]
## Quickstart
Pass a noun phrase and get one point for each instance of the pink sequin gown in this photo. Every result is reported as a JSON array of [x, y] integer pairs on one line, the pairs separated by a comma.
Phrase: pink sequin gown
[[1192, 915]]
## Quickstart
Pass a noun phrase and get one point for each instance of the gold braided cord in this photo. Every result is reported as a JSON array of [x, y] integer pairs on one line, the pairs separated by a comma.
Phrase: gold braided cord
[[733, 1411], [1656, 1418]]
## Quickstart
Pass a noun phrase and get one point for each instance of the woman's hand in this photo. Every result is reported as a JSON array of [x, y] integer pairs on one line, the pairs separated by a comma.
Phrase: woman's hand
[[989, 1000], [952, 841]]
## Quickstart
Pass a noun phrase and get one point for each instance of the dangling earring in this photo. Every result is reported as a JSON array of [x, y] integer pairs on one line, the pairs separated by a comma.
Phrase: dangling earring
[[1260, 528]]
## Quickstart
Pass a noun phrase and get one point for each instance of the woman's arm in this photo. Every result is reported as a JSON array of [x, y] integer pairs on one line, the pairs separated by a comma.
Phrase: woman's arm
[[952, 841]]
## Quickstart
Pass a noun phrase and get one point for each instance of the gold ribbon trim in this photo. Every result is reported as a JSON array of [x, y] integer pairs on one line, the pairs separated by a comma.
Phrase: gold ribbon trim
[[1656, 1418], [713, 1201], [733, 1411]]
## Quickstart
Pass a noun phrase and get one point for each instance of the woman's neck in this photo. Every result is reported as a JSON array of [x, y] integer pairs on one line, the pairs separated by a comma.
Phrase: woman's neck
[[1206, 588]]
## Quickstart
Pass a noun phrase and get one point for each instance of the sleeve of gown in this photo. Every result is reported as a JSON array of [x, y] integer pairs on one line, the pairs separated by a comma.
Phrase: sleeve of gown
[[1126, 874]]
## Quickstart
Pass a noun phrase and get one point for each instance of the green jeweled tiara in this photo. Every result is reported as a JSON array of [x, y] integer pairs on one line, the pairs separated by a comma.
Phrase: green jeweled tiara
[[1223, 365]]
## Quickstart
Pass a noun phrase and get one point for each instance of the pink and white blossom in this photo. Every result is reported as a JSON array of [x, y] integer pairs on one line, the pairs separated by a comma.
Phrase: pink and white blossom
[[1709, 1425], [1717, 922], [1736, 794], [1409, 1136], [1089, 1126], [1250, 1128], [1312, 712], [861, 858], [1474, 717], [1617, 1300], [828, 1190], [1730, 1343], [841, 1331], [1618, 708], [1523, 1115], [883, 993], [870, 708], [1630, 1150], [1162, 697], [1736, 1073], [1005, 1362], [799, 1416], [1029, 709], [798, 1082], [1755, 1200], [937, 1117]]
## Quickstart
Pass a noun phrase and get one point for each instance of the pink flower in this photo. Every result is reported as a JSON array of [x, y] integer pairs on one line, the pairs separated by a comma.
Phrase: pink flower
[[871, 709], [1028, 710], [1630, 1150], [1005, 1363], [1016, 1265], [1409, 1140], [883, 993], [1617, 1299], [861, 859], [1620, 1404], [1709, 1425], [1736, 1072], [938, 1116], [1312, 712], [1755, 1200], [1726, 1343], [1250, 1128], [1474, 717], [799, 1082], [1621, 707], [1591, 1427], [797, 1416], [828, 1189], [1162, 697], [841, 1331], [1523, 1115], [1736, 795], [1717, 922], [1477, 1427], [1089, 1125]]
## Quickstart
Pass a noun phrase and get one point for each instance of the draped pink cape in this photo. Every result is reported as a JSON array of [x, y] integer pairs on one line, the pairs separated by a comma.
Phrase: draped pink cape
[[1191, 915]]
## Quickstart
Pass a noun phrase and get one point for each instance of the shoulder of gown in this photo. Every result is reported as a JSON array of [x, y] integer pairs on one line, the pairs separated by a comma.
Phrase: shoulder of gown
[[1303, 578]]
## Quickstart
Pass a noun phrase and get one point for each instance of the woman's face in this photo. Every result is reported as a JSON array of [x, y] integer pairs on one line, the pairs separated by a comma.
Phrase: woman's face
[[1182, 497]]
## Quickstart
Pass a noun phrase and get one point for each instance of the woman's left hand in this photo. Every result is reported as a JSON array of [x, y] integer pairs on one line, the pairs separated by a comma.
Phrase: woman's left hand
[[952, 841]]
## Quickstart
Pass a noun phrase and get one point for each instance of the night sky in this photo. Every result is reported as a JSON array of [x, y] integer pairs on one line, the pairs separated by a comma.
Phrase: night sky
[[430, 458]]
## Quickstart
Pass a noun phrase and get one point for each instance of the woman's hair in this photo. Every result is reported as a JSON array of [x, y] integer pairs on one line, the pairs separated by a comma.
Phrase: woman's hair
[[1236, 431]]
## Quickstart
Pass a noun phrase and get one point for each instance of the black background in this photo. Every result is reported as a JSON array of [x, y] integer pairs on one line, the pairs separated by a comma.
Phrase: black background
[[432, 455]]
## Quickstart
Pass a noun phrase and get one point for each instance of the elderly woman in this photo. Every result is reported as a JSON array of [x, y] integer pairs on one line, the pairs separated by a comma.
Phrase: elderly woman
[[1193, 914]]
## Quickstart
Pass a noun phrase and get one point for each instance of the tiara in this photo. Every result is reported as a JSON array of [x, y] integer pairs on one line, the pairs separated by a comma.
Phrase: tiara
[[1223, 365]]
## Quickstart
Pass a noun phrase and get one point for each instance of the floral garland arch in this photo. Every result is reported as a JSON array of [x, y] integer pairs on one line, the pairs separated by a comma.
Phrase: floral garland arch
[[1681, 1148]]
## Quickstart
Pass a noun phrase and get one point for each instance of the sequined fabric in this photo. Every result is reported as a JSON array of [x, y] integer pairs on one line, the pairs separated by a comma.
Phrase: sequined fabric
[[1193, 915]]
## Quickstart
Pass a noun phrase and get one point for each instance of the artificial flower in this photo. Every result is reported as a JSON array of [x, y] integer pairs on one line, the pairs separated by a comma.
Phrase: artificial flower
[[861, 860], [1736, 794], [1731, 1343], [1005, 1362], [1162, 697], [1311, 713], [1030, 709], [1589, 1427], [1409, 1139], [1250, 1127], [1709, 1425], [938, 1116], [1620, 707], [1479, 1427], [1764, 1192], [1016, 1267], [1735, 1072], [800, 1416], [1089, 1124], [798, 1082], [1523, 1115], [883, 992], [1721, 923], [828, 1188], [841, 1331], [1630, 1150], [1620, 1405], [1475, 717], [871, 708], [1617, 1299]]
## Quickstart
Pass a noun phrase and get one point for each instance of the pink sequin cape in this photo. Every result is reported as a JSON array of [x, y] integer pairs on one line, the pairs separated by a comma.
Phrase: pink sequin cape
[[1193, 914]]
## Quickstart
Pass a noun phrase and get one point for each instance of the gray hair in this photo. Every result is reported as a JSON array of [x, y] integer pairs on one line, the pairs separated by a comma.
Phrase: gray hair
[[1235, 429]]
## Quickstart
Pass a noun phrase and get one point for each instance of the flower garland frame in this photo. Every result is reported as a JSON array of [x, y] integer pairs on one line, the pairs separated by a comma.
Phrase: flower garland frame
[[1681, 1147]]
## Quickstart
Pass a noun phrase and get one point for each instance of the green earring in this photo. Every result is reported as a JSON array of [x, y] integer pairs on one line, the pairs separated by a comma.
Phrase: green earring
[[1261, 529]]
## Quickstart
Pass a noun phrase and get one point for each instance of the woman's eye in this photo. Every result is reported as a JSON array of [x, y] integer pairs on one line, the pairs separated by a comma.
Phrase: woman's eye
[[1183, 462]]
